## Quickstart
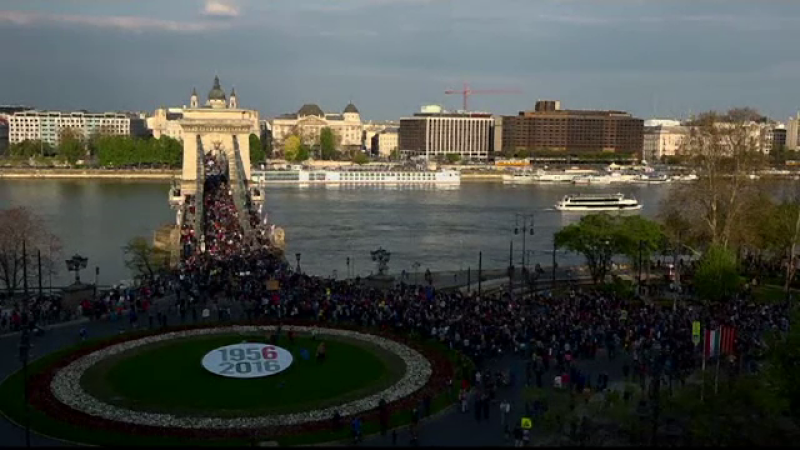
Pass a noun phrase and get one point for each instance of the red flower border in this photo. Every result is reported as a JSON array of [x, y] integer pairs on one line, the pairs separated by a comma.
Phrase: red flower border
[[42, 398]]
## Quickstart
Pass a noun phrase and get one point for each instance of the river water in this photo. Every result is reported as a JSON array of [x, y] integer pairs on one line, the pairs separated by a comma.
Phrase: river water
[[439, 228]]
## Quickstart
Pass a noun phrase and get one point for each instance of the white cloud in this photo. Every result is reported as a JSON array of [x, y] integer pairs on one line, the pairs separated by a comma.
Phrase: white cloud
[[221, 8], [125, 23]]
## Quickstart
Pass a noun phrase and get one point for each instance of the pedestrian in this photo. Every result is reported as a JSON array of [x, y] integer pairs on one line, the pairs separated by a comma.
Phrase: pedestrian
[[518, 436], [394, 437]]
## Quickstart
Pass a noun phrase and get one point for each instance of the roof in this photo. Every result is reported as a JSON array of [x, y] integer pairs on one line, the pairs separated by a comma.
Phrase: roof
[[334, 117], [310, 109], [216, 92], [351, 108]]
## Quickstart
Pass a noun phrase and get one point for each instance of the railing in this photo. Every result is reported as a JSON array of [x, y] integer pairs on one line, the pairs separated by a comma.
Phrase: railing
[[239, 188], [199, 225]]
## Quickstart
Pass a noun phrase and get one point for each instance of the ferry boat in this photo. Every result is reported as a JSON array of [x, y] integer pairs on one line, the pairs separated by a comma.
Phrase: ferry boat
[[357, 177], [653, 178], [685, 177], [598, 202], [593, 179]]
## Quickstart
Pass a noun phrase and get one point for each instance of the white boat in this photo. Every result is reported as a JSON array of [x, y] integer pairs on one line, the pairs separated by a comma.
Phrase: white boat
[[593, 179], [687, 177], [544, 176], [598, 202], [357, 177], [653, 178]]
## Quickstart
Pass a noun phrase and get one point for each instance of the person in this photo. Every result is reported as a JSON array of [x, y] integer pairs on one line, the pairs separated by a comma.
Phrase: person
[[321, 352], [505, 408], [82, 333], [394, 437], [518, 436]]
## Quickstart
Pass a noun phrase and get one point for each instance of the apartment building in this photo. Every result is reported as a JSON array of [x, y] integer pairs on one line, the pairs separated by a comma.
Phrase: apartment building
[[47, 126], [548, 128], [434, 133]]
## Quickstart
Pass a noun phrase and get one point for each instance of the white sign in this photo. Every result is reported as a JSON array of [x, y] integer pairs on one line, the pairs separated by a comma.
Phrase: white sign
[[248, 360]]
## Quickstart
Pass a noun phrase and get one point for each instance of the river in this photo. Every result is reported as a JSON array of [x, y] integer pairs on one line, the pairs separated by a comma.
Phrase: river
[[440, 228]]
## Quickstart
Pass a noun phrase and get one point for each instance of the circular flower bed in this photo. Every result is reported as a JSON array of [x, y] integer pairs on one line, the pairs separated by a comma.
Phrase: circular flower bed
[[67, 388], [56, 391]]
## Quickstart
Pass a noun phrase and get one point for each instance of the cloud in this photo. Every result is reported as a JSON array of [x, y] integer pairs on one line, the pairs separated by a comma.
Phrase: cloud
[[220, 8], [126, 23]]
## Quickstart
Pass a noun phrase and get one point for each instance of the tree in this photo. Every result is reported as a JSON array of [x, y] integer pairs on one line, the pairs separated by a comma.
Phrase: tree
[[717, 274], [395, 154], [360, 158], [18, 225], [599, 237], [779, 230], [291, 147], [142, 258], [725, 149], [71, 146], [31, 148], [453, 158], [303, 153], [327, 144], [257, 155]]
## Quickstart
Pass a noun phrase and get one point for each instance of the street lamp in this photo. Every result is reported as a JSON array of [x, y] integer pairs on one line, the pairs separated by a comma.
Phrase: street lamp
[[523, 225], [416, 267], [297, 256], [348, 267], [24, 353], [639, 275], [76, 264]]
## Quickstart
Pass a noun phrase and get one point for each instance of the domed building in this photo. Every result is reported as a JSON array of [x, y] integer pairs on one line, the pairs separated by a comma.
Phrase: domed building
[[309, 121]]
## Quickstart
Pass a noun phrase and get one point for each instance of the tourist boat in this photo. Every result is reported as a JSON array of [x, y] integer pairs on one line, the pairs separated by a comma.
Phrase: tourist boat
[[653, 178], [544, 176], [685, 177], [357, 177], [598, 202], [593, 179]]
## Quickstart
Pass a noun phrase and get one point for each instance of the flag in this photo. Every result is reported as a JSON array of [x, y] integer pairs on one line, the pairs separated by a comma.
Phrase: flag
[[720, 341]]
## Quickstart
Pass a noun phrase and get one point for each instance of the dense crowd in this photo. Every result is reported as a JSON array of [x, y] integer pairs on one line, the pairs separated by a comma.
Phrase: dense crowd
[[234, 269]]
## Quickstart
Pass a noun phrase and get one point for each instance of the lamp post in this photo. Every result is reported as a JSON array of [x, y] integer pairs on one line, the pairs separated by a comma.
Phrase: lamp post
[[76, 264], [639, 274], [523, 224], [555, 247], [510, 266], [24, 353], [348, 267], [416, 267], [297, 256], [480, 272]]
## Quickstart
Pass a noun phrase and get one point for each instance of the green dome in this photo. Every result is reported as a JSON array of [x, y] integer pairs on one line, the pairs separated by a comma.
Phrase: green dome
[[216, 92]]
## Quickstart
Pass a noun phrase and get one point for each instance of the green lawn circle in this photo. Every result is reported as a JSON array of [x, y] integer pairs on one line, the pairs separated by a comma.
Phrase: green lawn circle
[[168, 377]]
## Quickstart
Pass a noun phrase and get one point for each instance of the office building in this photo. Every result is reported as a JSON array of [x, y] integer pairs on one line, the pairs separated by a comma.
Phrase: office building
[[779, 137], [47, 126], [550, 129], [434, 133]]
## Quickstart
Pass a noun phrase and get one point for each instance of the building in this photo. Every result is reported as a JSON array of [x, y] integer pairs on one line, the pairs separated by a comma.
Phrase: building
[[385, 142], [3, 134], [662, 138], [48, 125], [166, 122], [434, 133], [372, 129], [309, 121], [779, 137], [793, 133], [220, 127], [549, 129]]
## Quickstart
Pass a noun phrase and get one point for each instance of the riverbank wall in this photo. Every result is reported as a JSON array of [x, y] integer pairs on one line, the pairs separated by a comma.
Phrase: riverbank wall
[[89, 174]]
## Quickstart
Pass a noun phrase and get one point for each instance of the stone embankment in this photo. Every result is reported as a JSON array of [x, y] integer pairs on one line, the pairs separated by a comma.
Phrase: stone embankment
[[88, 174]]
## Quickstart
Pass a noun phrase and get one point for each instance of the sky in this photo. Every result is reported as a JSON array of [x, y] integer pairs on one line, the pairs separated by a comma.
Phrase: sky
[[654, 58]]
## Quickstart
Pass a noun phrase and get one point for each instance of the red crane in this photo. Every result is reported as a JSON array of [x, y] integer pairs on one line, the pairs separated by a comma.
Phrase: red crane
[[466, 92]]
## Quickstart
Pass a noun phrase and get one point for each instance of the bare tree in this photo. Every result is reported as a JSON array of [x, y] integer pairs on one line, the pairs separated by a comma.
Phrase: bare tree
[[144, 259], [18, 225], [726, 150]]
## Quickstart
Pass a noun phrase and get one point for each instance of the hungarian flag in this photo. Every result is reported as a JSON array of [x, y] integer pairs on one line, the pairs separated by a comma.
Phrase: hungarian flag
[[720, 341]]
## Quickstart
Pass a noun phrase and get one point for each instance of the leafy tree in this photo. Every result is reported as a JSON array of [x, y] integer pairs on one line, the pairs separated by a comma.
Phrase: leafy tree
[[291, 147], [71, 146], [779, 231], [599, 237], [257, 155], [31, 148], [303, 153], [717, 274], [453, 158], [360, 158], [126, 151], [783, 365], [142, 258], [395, 154], [327, 144]]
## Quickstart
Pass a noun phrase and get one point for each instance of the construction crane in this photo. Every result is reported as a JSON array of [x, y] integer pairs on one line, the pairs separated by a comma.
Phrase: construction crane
[[466, 92]]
